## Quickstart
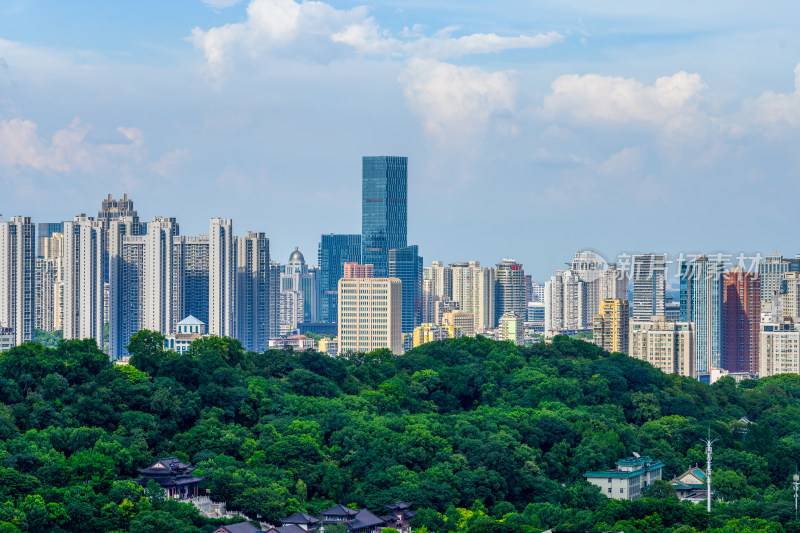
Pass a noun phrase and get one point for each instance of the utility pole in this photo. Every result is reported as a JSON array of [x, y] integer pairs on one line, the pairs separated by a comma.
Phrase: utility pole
[[795, 483], [709, 451]]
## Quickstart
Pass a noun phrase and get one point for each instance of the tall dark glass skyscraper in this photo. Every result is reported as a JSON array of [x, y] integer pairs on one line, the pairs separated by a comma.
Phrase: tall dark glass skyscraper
[[334, 252], [383, 209], [406, 265]]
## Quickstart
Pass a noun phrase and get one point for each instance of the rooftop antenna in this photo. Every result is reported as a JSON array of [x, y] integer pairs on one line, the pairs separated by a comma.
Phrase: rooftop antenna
[[709, 451]]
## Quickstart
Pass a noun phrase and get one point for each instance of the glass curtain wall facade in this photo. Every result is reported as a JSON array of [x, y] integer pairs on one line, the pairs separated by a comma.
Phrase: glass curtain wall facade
[[334, 252], [405, 264], [383, 211]]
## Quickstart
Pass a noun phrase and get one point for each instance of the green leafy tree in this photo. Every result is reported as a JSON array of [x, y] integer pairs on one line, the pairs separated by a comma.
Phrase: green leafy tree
[[661, 489]]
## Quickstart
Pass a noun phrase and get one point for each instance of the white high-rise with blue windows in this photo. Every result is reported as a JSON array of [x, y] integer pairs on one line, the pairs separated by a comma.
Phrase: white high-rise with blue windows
[[701, 303]]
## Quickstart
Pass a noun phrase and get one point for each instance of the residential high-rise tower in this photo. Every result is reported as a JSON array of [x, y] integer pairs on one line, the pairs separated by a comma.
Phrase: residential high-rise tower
[[253, 289], [649, 286], [221, 278], [17, 277], [509, 290], [610, 325], [84, 246], [701, 303], [742, 321]]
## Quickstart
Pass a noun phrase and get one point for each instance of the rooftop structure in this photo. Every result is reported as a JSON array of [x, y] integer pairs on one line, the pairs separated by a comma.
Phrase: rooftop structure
[[399, 517], [174, 476], [241, 527], [629, 479], [690, 483], [188, 330], [298, 342], [338, 514]]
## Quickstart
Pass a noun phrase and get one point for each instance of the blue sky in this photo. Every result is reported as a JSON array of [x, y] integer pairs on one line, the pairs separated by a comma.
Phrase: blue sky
[[533, 129]]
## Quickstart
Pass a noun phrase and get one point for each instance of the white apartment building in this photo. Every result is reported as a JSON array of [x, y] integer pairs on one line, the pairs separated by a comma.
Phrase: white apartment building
[[565, 304], [7, 339], [126, 263], [572, 297], [221, 278], [17, 277], [158, 276], [649, 286], [291, 311], [84, 245], [474, 290], [49, 283], [437, 286], [370, 315]]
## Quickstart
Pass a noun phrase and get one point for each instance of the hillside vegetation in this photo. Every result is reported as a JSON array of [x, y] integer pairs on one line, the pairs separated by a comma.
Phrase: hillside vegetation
[[480, 436]]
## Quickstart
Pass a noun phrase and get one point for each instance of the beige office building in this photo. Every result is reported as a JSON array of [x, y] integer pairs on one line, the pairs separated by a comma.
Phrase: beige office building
[[771, 271], [462, 320], [791, 300], [668, 346], [370, 315], [779, 349]]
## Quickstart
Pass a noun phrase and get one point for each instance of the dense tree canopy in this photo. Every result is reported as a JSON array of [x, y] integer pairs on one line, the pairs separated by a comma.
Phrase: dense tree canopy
[[479, 435]]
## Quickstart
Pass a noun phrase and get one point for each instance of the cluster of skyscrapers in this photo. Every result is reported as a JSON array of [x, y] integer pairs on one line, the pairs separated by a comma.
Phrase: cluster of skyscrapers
[[109, 276], [725, 321]]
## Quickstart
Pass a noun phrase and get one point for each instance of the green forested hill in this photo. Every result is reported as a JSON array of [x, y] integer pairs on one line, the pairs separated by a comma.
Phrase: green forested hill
[[479, 435]]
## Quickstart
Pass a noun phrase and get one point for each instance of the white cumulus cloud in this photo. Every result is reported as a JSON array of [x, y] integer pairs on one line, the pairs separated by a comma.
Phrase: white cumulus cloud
[[319, 32], [456, 103], [776, 107], [69, 150], [593, 97]]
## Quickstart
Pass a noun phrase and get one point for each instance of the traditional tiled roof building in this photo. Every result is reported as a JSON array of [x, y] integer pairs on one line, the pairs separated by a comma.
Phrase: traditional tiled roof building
[[691, 485], [365, 522], [241, 527], [399, 517], [338, 514], [304, 521], [174, 476]]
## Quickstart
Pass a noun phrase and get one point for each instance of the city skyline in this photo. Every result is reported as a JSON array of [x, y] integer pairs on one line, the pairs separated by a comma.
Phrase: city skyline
[[621, 260], [506, 113], [227, 285]]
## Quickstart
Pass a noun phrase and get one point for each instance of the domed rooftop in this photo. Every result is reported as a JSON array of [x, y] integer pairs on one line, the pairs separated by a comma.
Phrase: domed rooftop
[[297, 257]]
